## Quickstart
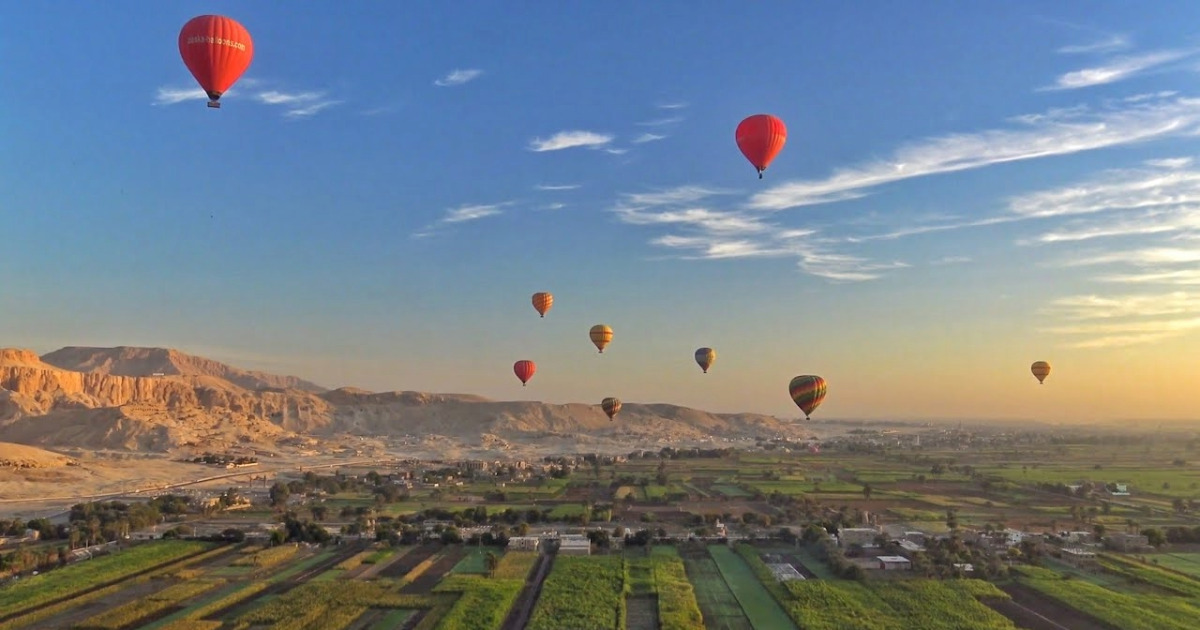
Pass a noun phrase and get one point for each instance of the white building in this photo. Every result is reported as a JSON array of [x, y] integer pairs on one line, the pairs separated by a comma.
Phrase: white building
[[575, 545], [524, 543]]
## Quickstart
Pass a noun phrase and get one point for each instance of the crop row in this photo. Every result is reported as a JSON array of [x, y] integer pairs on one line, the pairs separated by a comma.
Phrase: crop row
[[35, 592], [677, 605], [326, 595], [144, 608], [1141, 612], [582, 593], [1149, 574], [893, 605], [483, 605], [516, 565], [268, 557]]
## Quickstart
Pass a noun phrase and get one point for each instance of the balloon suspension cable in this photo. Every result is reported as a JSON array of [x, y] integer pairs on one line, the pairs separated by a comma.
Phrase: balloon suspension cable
[[760, 173]]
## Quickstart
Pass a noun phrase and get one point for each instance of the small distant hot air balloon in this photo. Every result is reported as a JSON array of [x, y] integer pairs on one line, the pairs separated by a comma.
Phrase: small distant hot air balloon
[[1041, 370], [217, 50], [542, 301], [524, 370], [761, 137], [610, 406], [601, 335], [807, 392], [705, 358]]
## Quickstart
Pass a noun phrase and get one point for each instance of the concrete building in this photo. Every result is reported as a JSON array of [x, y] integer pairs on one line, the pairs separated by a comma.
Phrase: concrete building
[[1078, 557], [574, 545], [894, 563], [864, 536], [524, 543], [1122, 541]]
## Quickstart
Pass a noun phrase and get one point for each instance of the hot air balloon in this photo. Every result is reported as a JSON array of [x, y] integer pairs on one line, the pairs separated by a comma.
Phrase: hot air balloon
[[217, 50], [761, 137], [524, 370], [1041, 370], [610, 406], [807, 392], [542, 302], [705, 357], [601, 336]]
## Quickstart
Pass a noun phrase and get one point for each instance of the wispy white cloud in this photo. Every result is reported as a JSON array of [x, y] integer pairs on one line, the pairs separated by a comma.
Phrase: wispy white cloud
[[570, 139], [459, 77], [1116, 69], [1108, 44], [678, 105], [1175, 276], [462, 214], [1056, 132], [659, 122], [951, 260], [1125, 320], [554, 206], [710, 234], [648, 137], [556, 186], [172, 95], [616, 150]]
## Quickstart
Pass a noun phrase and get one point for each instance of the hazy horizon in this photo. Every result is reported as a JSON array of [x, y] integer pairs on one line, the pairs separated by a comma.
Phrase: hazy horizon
[[961, 194]]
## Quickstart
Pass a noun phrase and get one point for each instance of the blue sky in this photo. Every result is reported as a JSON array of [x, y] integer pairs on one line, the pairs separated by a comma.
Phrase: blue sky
[[966, 188]]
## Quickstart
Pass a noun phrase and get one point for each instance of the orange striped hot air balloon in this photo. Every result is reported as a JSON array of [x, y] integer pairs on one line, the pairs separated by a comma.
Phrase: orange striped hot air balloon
[[1041, 370], [807, 392], [610, 406], [601, 335], [524, 370], [542, 301], [761, 137]]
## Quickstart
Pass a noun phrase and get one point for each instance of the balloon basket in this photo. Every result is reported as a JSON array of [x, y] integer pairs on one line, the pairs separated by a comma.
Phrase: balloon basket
[[214, 104]]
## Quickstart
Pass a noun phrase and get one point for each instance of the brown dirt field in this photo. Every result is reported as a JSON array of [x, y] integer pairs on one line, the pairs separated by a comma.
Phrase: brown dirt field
[[127, 594], [408, 561], [641, 612], [424, 585], [1052, 609]]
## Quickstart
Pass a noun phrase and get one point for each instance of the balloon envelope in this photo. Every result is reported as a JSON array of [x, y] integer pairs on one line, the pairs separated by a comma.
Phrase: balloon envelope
[[542, 301], [217, 50], [705, 358], [1041, 370], [761, 137], [601, 336], [610, 406], [524, 370], [807, 392]]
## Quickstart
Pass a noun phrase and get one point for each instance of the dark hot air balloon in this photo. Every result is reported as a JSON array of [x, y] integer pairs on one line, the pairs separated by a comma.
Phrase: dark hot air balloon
[[524, 370], [610, 406], [217, 50], [761, 137], [705, 358], [807, 392]]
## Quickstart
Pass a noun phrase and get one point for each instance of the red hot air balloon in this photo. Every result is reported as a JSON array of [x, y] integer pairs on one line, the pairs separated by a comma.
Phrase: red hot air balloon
[[524, 370], [217, 50], [761, 137]]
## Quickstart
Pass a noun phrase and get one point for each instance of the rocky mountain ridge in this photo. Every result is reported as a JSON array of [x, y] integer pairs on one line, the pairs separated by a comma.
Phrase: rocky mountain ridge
[[159, 399]]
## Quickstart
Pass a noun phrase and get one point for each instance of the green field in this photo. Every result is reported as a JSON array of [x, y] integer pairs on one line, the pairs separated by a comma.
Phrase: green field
[[761, 609]]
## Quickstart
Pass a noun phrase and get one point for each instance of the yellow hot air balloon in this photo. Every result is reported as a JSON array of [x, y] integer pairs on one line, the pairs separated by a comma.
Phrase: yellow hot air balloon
[[610, 406], [542, 301], [705, 358], [1041, 370], [601, 336]]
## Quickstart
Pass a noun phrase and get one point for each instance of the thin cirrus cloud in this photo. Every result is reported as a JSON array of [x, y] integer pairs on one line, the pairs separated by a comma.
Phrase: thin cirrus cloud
[[459, 77], [659, 122], [556, 186], [1112, 43], [701, 232], [648, 137], [571, 139], [295, 105], [462, 214], [1116, 70], [1055, 132]]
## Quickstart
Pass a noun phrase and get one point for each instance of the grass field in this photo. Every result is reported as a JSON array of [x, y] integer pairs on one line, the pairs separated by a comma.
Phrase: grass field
[[761, 609], [1188, 563]]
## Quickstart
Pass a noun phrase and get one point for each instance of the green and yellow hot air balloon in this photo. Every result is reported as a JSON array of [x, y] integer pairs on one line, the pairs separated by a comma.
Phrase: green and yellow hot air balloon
[[807, 392]]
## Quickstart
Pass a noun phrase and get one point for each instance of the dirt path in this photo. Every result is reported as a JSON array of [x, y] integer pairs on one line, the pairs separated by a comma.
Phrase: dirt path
[[521, 611]]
